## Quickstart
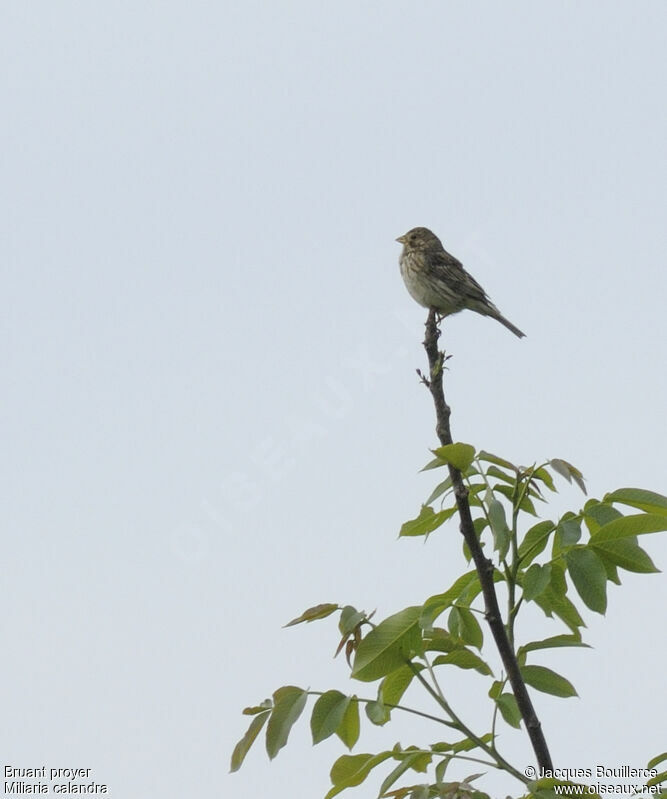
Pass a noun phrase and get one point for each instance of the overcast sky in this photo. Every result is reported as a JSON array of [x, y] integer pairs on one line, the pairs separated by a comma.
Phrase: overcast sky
[[211, 418]]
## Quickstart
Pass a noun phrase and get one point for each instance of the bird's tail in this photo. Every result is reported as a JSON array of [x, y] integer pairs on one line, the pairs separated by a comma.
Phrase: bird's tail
[[487, 308], [508, 325]]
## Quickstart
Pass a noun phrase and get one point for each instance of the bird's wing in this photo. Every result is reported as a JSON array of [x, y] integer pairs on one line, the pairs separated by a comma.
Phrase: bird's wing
[[461, 281]]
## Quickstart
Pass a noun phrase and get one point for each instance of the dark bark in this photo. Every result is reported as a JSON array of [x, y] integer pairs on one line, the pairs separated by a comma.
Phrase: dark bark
[[483, 565]]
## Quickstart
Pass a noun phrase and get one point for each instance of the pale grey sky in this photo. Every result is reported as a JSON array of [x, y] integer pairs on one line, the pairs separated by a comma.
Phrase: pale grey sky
[[211, 418]]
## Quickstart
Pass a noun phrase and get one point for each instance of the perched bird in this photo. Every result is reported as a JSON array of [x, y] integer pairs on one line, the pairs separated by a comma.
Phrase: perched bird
[[438, 280]]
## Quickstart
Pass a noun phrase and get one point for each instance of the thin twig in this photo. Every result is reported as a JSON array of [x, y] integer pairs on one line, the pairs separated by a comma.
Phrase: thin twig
[[462, 727]]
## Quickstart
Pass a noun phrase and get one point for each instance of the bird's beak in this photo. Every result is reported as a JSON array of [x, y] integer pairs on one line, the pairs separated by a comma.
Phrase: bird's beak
[[401, 239]]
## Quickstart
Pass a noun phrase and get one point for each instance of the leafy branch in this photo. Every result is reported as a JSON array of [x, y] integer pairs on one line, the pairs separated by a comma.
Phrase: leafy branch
[[531, 559]]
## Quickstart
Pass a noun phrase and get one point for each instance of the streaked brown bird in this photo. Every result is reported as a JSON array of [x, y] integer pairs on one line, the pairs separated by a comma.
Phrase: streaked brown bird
[[438, 280]]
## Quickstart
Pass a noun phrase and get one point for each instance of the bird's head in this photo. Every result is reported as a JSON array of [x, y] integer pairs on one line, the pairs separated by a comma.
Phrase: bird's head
[[419, 238]]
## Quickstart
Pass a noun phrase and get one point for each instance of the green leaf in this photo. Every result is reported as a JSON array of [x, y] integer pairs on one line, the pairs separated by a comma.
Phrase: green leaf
[[525, 505], [288, 704], [427, 521], [316, 612], [626, 553], [439, 490], [569, 530], [544, 602], [547, 681], [350, 770], [490, 458], [648, 501], [469, 628], [658, 779], [458, 455], [377, 713], [542, 474], [501, 532], [597, 514], [434, 605], [509, 709], [557, 583], [388, 646], [474, 490], [417, 761], [454, 623], [441, 768], [610, 567], [589, 577], [569, 472], [394, 685], [349, 619], [441, 746], [639, 524], [328, 713], [348, 729], [496, 688], [535, 541], [467, 744], [464, 659], [550, 643], [267, 704], [436, 463], [242, 747], [553, 600], [658, 758], [494, 471], [439, 640], [564, 609], [535, 580]]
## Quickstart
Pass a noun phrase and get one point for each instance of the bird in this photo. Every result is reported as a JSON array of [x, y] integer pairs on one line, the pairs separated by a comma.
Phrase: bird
[[438, 281]]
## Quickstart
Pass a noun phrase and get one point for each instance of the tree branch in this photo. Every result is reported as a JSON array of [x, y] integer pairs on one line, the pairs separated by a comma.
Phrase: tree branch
[[483, 565]]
